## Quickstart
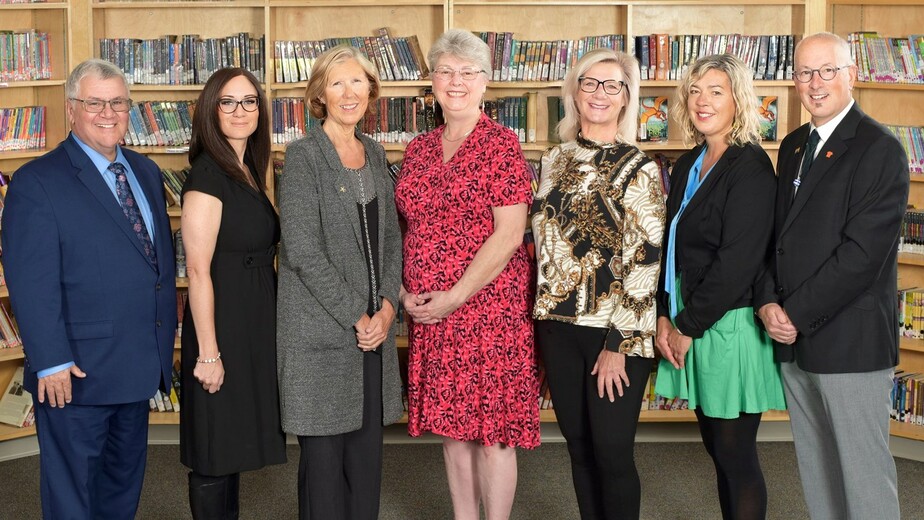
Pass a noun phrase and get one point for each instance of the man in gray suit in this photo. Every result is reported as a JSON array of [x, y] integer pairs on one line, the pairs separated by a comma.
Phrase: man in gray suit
[[829, 297]]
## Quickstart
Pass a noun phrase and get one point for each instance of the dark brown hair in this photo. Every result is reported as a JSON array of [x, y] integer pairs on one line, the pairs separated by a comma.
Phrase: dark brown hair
[[207, 136]]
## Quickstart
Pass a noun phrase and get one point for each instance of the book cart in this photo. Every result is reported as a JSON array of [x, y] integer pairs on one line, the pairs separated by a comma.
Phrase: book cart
[[276, 20]]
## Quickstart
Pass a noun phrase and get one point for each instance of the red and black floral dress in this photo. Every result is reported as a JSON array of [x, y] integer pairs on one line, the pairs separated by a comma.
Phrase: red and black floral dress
[[472, 376]]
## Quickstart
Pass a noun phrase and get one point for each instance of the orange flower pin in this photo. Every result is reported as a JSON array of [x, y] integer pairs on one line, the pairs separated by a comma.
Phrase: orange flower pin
[[829, 155]]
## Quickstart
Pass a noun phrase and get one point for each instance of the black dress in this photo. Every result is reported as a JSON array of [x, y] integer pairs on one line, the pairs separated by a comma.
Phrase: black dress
[[237, 428]]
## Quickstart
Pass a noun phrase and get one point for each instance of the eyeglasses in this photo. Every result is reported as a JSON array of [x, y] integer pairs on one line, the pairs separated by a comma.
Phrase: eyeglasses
[[610, 86], [446, 74], [228, 105], [826, 73], [95, 106]]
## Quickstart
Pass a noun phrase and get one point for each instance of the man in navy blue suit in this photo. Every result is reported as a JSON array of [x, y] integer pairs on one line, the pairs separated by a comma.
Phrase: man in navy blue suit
[[88, 256]]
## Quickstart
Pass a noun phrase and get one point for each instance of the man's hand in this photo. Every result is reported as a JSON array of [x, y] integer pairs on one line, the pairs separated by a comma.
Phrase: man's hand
[[778, 324], [58, 386]]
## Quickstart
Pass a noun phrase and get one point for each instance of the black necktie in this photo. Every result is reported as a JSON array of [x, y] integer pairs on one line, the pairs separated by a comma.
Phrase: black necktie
[[807, 159], [131, 211]]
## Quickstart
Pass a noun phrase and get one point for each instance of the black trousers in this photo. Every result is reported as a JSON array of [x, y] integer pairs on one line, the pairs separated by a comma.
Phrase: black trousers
[[600, 434], [340, 476]]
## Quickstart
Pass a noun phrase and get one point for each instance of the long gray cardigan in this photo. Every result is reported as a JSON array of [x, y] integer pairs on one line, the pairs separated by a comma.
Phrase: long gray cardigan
[[324, 288]]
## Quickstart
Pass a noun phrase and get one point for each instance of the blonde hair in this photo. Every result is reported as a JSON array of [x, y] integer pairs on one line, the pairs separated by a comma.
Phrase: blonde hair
[[746, 124], [628, 119], [320, 72]]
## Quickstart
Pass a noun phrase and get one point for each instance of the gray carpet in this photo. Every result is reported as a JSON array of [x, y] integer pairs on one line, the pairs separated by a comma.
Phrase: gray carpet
[[677, 484]]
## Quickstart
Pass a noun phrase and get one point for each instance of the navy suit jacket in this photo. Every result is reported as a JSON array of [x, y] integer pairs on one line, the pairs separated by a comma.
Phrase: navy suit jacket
[[834, 260], [80, 285]]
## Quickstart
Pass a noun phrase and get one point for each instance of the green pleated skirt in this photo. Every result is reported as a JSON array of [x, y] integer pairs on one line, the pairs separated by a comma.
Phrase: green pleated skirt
[[728, 371]]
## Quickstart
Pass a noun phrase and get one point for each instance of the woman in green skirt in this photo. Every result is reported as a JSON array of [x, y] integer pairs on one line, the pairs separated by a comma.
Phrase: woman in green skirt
[[720, 221]]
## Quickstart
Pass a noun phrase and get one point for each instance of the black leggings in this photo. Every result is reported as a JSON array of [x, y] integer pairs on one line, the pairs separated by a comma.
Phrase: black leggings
[[732, 444], [600, 434]]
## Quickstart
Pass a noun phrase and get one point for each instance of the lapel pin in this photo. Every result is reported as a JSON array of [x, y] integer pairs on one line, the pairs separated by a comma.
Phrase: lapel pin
[[829, 155], [342, 189], [798, 150]]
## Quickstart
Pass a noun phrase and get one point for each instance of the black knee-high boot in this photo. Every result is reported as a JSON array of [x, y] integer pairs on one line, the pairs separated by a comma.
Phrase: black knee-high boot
[[208, 497], [233, 496]]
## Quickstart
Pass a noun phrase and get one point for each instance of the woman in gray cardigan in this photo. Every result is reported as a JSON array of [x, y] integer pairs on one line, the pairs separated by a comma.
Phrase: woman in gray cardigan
[[339, 275]]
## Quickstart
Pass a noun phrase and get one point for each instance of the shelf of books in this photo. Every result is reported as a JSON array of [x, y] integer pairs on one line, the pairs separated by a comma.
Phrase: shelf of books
[[33, 65], [886, 45]]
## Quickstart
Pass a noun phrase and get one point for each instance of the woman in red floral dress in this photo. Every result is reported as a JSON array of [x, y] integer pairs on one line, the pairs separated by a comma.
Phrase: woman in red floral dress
[[464, 190]]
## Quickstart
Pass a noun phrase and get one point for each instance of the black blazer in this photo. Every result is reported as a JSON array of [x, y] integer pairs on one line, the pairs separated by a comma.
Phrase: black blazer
[[722, 237], [834, 268]]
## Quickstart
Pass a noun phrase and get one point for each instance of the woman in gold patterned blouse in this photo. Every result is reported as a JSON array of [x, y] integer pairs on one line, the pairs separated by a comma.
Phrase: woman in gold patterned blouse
[[598, 218]]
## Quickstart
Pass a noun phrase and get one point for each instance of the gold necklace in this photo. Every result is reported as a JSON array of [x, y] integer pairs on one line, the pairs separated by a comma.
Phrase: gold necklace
[[456, 139]]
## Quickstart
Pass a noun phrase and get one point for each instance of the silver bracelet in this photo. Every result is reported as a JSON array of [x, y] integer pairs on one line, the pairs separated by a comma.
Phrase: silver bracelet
[[209, 360]]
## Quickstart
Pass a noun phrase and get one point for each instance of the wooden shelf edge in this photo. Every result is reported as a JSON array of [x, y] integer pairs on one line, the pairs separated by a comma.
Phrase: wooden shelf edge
[[169, 5], [164, 418], [906, 430], [11, 354], [889, 86], [356, 3], [46, 6], [911, 259], [867, 2], [22, 154], [911, 344], [8, 432]]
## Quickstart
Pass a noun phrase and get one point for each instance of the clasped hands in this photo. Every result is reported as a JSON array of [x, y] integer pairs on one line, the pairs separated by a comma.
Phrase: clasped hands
[[671, 343], [430, 307], [372, 331]]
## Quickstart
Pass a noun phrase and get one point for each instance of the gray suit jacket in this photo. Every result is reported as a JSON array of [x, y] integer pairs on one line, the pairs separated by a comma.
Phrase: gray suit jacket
[[324, 287]]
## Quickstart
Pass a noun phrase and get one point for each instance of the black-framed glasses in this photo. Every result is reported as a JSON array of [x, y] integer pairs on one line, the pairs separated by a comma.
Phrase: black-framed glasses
[[610, 86], [95, 106], [826, 73], [446, 74], [228, 105]]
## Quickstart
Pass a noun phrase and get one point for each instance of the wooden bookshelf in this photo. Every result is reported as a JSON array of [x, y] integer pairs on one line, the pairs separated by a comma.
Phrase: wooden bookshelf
[[52, 18], [891, 18], [78, 24]]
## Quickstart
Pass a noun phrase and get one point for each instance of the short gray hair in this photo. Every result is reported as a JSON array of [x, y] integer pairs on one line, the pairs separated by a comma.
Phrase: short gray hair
[[463, 45], [97, 68]]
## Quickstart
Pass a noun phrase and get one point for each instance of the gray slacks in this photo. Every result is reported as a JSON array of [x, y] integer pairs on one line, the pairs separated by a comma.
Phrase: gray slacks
[[840, 425]]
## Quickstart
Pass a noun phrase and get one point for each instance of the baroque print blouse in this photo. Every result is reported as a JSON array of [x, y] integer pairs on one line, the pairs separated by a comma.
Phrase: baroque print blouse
[[598, 220]]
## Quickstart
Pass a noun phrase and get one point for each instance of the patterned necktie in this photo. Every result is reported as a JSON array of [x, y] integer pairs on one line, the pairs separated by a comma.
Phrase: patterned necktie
[[131, 211], [807, 159]]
